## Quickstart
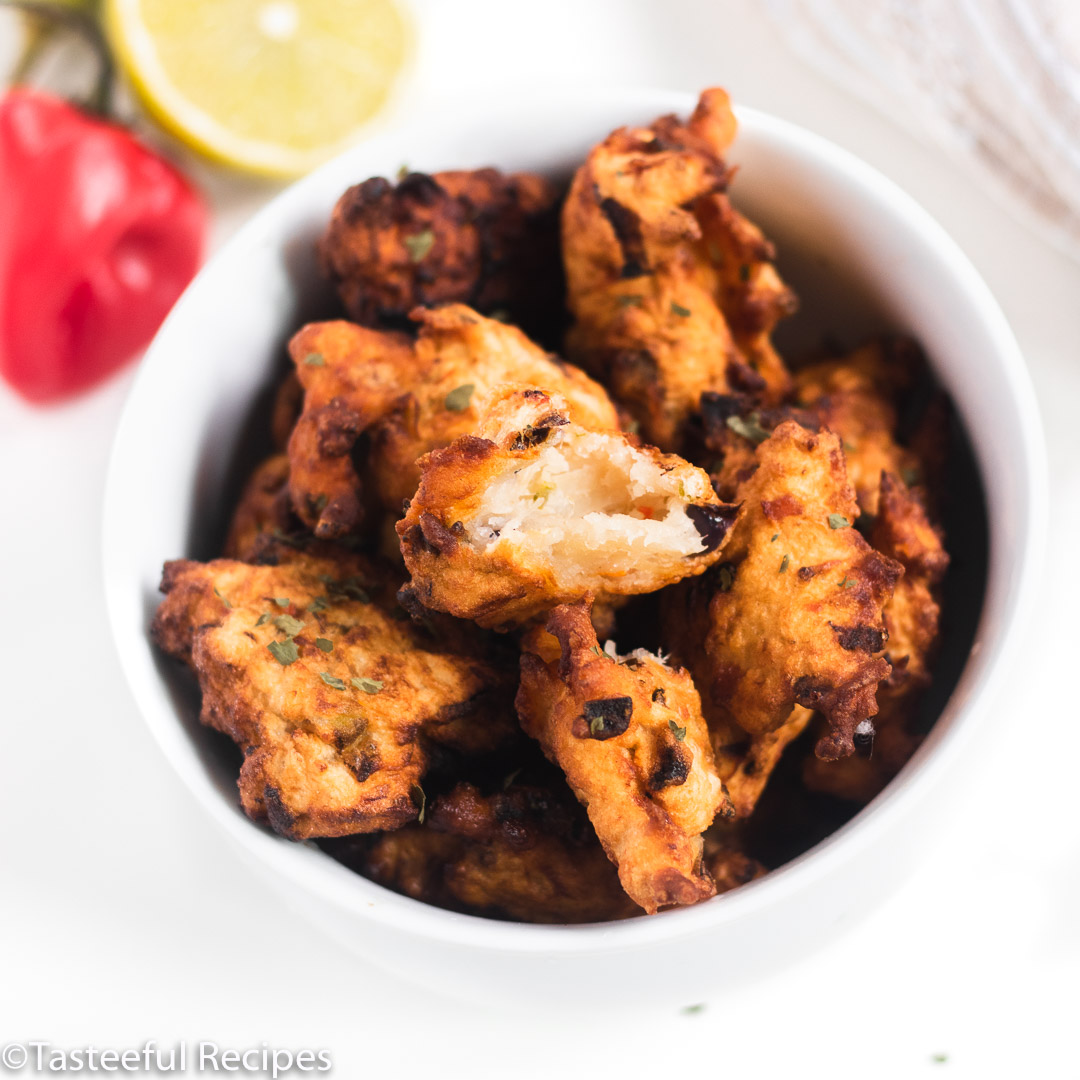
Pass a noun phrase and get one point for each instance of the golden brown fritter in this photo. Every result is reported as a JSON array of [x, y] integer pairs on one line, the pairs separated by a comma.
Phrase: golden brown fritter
[[673, 293], [482, 238], [745, 762], [628, 733], [416, 396], [793, 616], [903, 532], [534, 510], [527, 853], [305, 666], [351, 377], [853, 397], [463, 357], [263, 507]]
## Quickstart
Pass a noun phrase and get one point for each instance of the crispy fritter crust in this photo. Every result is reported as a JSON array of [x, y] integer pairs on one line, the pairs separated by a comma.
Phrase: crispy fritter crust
[[793, 616], [673, 292], [458, 348], [629, 735], [527, 853], [458, 568], [322, 756], [482, 238], [404, 391], [263, 507], [853, 397]]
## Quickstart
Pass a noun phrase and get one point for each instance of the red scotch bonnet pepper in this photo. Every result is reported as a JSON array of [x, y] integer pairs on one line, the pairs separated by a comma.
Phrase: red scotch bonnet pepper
[[98, 237]]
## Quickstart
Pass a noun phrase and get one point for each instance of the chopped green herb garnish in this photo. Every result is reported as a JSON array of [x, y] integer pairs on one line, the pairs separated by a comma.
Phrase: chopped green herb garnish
[[784, 563], [678, 732], [749, 428], [630, 300], [596, 650], [419, 244], [542, 491], [939, 1059], [500, 315], [369, 686], [319, 503], [849, 446], [693, 1010], [282, 601], [744, 272], [403, 171], [264, 618], [632, 427], [726, 577], [284, 652], [511, 777], [419, 801], [910, 476], [315, 359], [331, 680], [324, 643], [838, 521], [458, 399], [288, 625], [847, 583], [318, 604], [222, 598], [775, 537], [678, 309]]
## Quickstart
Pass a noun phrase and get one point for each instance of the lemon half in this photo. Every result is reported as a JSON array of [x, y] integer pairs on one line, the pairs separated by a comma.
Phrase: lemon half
[[273, 86]]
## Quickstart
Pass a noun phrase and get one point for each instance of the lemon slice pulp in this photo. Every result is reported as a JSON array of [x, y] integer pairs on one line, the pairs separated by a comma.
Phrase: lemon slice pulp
[[274, 86]]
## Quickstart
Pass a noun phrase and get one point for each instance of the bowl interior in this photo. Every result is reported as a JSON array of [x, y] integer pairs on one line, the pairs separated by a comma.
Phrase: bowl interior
[[861, 256]]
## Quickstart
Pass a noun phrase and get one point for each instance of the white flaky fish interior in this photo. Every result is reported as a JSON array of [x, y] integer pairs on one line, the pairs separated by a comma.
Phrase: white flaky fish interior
[[592, 505]]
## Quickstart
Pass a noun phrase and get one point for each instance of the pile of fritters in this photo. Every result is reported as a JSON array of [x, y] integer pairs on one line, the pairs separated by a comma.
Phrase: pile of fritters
[[527, 639]]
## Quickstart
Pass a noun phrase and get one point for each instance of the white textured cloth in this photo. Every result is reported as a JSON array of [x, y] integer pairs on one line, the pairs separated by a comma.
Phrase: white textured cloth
[[996, 81]]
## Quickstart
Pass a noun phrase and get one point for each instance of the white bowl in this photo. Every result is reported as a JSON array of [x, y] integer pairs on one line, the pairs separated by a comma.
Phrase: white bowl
[[864, 255]]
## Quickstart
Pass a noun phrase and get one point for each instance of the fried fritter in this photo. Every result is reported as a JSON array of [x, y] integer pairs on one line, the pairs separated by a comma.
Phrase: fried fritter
[[416, 396], [534, 510], [481, 238], [673, 292], [351, 377], [463, 358], [853, 397], [263, 507], [328, 694], [628, 733], [527, 853], [745, 762], [793, 616]]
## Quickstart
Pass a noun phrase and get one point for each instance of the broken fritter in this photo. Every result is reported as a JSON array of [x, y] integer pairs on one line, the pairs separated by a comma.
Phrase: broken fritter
[[535, 510], [482, 238], [527, 853], [793, 615], [330, 694], [463, 358], [854, 398], [628, 733], [673, 293], [411, 397]]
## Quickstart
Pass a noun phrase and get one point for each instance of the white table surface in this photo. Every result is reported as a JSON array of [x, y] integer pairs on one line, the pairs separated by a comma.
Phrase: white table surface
[[124, 916]]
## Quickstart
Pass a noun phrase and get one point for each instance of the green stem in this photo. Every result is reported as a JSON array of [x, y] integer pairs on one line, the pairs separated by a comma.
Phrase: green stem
[[100, 100]]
